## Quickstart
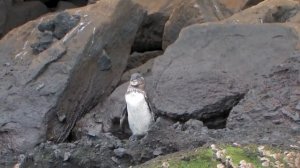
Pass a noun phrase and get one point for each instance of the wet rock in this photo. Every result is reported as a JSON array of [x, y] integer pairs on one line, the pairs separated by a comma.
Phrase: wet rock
[[51, 111], [201, 77], [63, 23], [46, 26], [44, 42]]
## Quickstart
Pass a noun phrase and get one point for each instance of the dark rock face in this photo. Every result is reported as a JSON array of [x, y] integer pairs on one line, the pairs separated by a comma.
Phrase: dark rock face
[[149, 36], [16, 14], [204, 74], [42, 96], [54, 29], [268, 113], [63, 23]]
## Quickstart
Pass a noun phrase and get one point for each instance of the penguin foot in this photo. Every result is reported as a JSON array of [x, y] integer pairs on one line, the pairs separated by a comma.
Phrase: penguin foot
[[134, 138]]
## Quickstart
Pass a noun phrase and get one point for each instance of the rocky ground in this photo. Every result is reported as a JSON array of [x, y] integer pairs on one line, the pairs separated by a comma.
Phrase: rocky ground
[[217, 72]]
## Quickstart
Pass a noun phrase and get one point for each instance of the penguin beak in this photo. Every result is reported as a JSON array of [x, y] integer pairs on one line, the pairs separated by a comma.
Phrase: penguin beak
[[134, 82]]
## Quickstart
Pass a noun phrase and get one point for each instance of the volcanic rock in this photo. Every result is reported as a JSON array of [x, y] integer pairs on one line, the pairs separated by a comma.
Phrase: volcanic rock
[[42, 96], [209, 68]]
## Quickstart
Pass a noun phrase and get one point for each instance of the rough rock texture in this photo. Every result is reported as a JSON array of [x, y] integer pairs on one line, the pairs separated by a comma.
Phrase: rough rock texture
[[149, 36], [166, 137], [191, 12], [270, 11], [88, 152], [200, 76], [205, 72], [104, 117], [44, 95], [268, 114], [104, 150]]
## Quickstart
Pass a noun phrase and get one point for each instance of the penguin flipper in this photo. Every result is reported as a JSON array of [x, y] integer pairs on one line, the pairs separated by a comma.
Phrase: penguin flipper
[[151, 108], [124, 119]]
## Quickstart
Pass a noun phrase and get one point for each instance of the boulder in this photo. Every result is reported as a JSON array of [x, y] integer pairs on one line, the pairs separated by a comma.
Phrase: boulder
[[271, 11], [42, 96], [268, 114], [191, 12], [209, 68]]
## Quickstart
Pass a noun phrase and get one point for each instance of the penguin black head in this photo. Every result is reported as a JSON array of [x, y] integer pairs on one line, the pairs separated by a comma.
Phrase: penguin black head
[[137, 80]]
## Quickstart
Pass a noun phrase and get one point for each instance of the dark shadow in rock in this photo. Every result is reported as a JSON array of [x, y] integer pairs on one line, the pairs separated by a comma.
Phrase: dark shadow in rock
[[150, 33]]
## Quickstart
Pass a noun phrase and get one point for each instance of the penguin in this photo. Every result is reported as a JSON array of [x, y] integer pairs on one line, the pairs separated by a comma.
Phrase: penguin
[[137, 112]]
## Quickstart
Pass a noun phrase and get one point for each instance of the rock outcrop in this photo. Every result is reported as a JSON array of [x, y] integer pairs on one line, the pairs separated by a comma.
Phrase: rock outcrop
[[270, 114], [42, 96], [207, 70]]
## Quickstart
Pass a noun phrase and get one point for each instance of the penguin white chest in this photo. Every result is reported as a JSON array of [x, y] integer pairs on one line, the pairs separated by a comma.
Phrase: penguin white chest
[[139, 115]]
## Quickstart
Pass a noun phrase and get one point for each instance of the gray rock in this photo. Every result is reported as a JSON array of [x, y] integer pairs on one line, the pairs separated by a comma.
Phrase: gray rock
[[209, 68], [44, 42], [192, 12], [281, 125], [69, 69], [120, 152], [46, 26], [63, 23]]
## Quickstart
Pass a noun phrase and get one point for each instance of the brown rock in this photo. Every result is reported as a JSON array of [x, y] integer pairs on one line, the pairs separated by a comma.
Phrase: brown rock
[[271, 11], [191, 12]]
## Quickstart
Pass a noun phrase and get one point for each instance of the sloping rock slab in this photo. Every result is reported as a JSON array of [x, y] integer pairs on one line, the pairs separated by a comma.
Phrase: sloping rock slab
[[207, 70], [42, 96]]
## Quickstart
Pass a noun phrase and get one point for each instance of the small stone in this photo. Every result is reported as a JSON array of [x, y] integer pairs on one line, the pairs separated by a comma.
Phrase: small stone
[[46, 26], [165, 165], [220, 166], [62, 118], [266, 164], [7, 64], [116, 160], [67, 156], [157, 152], [120, 152]]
